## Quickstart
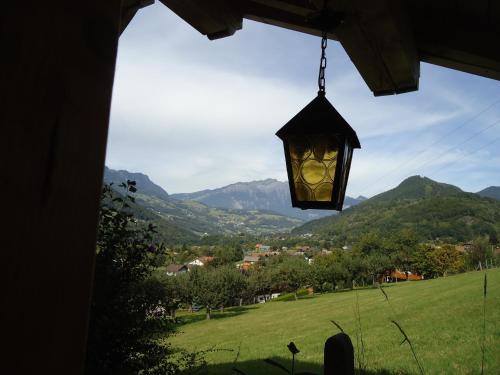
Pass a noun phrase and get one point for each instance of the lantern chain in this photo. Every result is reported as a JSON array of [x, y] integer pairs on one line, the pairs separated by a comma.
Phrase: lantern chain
[[322, 64]]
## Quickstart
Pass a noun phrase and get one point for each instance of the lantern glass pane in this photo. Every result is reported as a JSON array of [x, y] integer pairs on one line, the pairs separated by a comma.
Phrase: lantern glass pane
[[345, 168], [314, 162]]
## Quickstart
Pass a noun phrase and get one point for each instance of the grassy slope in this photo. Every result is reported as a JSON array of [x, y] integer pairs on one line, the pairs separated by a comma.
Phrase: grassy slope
[[441, 316]]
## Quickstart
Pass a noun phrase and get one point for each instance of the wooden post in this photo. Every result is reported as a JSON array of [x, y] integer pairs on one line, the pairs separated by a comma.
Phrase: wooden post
[[56, 74]]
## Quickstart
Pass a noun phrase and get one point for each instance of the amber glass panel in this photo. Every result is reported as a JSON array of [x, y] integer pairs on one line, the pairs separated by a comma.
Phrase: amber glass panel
[[314, 159], [323, 192], [313, 171]]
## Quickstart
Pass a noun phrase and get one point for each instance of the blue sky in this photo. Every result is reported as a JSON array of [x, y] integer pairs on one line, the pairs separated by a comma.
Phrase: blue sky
[[196, 114]]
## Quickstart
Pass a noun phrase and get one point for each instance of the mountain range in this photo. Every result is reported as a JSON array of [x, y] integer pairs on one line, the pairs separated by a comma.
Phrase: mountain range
[[195, 217], [490, 192], [267, 194], [432, 209]]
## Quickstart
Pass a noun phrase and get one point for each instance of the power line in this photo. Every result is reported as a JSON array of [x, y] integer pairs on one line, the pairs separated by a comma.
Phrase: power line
[[468, 154], [456, 146], [421, 152]]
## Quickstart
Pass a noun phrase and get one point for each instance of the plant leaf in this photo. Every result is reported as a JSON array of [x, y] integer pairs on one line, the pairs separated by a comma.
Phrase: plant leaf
[[238, 371], [485, 285], [276, 364], [337, 325]]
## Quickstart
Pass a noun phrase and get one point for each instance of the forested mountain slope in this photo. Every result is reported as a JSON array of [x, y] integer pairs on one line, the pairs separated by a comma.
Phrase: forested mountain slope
[[432, 209]]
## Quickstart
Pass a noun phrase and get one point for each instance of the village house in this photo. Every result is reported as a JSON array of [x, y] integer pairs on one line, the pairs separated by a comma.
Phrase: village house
[[397, 275], [262, 248], [176, 269], [201, 261], [266, 254], [247, 263], [251, 259]]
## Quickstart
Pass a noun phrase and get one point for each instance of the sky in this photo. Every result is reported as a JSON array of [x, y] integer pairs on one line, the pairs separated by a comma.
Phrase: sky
[[196, 114]]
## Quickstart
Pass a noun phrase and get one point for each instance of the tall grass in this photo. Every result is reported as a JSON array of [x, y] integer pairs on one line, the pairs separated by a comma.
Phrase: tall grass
[[360, 344], [483, 338], [406, 338]]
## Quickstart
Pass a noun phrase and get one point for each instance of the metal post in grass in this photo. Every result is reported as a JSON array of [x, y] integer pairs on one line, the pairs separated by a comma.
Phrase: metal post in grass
[[339, 355]]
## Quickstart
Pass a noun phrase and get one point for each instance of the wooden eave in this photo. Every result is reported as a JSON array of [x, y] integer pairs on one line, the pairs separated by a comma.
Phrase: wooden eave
[[385, 39]]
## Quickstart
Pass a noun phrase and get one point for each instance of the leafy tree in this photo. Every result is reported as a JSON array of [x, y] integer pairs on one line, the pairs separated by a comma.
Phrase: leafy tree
[[178, 290], [207, 288], [233, 285], [370, 243], [292, 274], [260, 281], [432, 261], [448, 259], [127, 309], [480, 251], [405, 247], [424, 262], [226, 255], [327, 271]]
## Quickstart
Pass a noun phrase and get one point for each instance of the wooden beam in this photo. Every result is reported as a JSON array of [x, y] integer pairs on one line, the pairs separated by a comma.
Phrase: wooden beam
[[214, 18], [57, 69], [378, 38], [461, 43]]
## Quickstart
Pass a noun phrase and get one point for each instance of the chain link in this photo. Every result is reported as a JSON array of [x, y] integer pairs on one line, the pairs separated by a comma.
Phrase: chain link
[[322, 63]]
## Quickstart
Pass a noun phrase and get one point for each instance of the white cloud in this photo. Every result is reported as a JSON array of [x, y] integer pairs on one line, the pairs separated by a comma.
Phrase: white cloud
[[195, 114]]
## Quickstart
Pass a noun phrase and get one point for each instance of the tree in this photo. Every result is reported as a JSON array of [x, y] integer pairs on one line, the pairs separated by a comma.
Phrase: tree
[[260, 281], [424, 262], [405, 246], [292, 274], [447, 259], [207, 288], [327, 271], [233, 285], [432, 261], [480, 251], [127, 308]]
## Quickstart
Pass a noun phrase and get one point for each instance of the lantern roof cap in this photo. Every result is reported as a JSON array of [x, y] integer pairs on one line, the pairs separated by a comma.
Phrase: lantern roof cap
[[319, 116]]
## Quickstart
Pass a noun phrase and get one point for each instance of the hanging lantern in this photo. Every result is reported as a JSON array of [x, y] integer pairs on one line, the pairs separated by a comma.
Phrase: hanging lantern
[[318, 145]]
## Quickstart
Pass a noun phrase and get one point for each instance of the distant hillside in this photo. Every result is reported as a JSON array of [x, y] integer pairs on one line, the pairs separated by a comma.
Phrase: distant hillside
[[432, 209], [490, 192], [198, 218], [144, 184], [167, 232], [267, 194]]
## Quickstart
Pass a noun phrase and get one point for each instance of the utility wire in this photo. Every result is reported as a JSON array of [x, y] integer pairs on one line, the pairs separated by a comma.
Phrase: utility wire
[[421, 152], [456, 146], [467, 154]]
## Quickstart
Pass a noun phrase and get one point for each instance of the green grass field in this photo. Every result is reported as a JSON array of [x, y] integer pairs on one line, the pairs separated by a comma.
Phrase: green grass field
[[442, 317]]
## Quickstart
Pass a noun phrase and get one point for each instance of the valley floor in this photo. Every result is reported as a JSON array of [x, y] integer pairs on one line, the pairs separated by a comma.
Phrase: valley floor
[[442, 317]]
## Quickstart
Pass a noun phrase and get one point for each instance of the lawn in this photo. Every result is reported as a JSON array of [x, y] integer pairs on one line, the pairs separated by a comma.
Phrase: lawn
[[442, 317]]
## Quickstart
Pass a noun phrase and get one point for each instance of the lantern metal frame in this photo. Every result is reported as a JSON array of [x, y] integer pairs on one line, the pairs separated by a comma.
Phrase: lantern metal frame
[[320, 118]]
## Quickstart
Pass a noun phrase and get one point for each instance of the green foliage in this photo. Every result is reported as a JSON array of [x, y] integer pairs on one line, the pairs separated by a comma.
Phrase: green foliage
[[433, 261], [291, 274], [166, 231], [127, 304], [328, 271], [301, 293], [481, 250], [216, 287], [432, 210], [128, 318]]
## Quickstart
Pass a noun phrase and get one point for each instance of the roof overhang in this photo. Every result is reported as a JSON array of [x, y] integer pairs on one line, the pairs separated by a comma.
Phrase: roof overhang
[[385, 39]]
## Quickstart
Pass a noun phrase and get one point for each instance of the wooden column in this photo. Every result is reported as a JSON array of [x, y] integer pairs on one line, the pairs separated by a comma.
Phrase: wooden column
[[56, 75]]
